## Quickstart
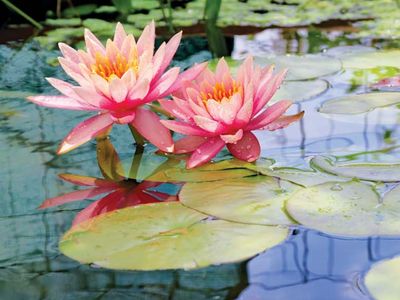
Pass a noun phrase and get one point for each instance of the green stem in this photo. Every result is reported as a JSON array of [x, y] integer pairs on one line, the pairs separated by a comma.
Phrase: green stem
[[137, 157], [139, 140], [22, 14], [168, 19]]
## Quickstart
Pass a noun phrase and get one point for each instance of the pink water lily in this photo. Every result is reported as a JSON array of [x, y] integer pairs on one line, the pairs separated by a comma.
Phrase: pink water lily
[[217, 110], [117, 80]]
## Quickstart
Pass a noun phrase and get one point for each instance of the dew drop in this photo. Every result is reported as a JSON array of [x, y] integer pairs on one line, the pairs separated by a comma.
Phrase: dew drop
[[336, 187]]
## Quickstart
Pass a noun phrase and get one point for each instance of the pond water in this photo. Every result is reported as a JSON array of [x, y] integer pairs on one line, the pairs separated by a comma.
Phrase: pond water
[[308, 265]]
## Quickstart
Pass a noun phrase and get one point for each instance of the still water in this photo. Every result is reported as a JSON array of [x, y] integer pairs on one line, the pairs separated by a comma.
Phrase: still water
[[309, 265]]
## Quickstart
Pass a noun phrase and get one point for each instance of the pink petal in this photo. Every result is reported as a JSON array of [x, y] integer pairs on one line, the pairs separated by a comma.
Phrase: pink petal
[[85, 131], [188, 75], [93, 45], [163, 84], [245, 71], [232, 138], [118, 90], [59, 102], [247, 149], [87, 180], [146, 40], [267, 91], [272, 113], [63, 87], [158, 60], [101, 85], [206, 152], [388, 82], [283, 121], [72, 70], [208, 124], [174, 110], [170, 50], [140, 90], [91, 96], [188, 144], [184, 128], [69, 52], [119, 35], [148, 124], [245, 113], [221, 70], [75, 196]]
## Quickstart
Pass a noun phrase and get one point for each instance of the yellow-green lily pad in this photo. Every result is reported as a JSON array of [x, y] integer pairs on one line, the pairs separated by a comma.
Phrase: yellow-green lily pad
[[165, 236], [360, 103], [382, 280], [345, 209], [369, 60], [302, 67], [386, 172], [250, 200]]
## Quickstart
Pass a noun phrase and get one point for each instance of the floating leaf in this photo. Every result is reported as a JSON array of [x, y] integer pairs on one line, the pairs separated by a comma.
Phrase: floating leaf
[[298, 91], [169, 169], [80, 10], [347, 209], [303, 177], [165, 236], [303, 67], [369, 60], [250, 200], [360, 103], [382, 280], [386, 172], [63, 22]]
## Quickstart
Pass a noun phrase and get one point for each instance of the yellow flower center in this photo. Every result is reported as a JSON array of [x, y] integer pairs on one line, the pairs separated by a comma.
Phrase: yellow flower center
[[107, 68], [220, 92]]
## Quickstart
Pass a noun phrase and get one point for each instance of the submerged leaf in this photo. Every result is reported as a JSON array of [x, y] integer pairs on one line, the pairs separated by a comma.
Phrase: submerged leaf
[[360, 103], [382, 280], [386, 172], [251, 200], [303, 67], [165, 236], [346, 209]]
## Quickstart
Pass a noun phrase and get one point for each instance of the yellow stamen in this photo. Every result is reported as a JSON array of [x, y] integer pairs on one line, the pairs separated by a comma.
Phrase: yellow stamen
[[220, 92], [107, 68]]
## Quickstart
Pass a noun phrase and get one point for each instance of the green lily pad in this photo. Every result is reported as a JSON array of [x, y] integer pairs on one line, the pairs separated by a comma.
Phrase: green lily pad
[[63, 22], [303, 67], [386, 172], [165, 236], [169, 169], [250, 200], [346, 209], [369, 60], [382, 280], [80, 10], [298, 91], [360, 103], [303, 177]]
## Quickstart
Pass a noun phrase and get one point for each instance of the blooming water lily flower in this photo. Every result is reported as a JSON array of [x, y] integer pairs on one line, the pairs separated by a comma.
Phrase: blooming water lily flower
[[117, 80], [217, 110]]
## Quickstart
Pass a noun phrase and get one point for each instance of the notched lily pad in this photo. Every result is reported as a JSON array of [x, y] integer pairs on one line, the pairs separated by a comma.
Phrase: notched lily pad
[[360, 103], [251, 200], [165, 236], [382, 280], [386, 172], [346, 209], [303, 67]]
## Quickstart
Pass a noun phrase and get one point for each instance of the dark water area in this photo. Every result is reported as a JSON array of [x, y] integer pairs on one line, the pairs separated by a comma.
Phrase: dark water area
[[308, 265]]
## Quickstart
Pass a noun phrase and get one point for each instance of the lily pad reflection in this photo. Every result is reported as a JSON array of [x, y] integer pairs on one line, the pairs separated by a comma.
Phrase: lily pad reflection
[[165, 236]]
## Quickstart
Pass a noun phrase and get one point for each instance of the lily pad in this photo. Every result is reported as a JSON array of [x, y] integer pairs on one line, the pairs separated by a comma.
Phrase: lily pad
[[382, 280], [303, 177], [165, 236], [251, 200], [386, 172], [360, 103], [346, 209], [369, 60], [303, 67], [169, 169], [298, 91]]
